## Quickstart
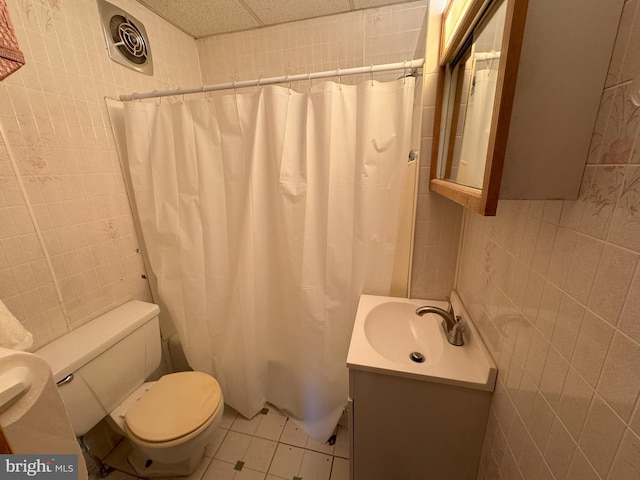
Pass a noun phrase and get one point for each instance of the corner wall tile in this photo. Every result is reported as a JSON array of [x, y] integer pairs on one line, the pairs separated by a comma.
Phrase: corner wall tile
[[634, 424], [533, 295], [619, 384], [509, 466], [548, 312], [583, 268], [530, 235], [630, 316], [544, 247], [625, 223], [559, 449], [573, 210], [567, 326], [517, 435], [544, 473], [621, 130], [581, 469], [526, 397], [591, 347], [612, 282], [561, 256], [601, 435], [631, 60], [574, 402], [621, 44], [627, 463], [530, 459], [536, 357], [553, 377], [601, 201], [542, 418]]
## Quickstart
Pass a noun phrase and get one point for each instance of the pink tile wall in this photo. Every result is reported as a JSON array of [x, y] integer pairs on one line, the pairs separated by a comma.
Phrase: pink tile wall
[[354, 39], [438, 220], [74, 256], [555, 288]]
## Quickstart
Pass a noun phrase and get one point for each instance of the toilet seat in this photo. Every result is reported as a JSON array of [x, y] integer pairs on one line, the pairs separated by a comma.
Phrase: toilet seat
[[177, 407]]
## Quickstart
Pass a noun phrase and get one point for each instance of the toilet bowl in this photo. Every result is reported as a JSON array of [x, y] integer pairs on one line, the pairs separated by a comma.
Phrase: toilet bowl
[[169, 422], [101, 370]]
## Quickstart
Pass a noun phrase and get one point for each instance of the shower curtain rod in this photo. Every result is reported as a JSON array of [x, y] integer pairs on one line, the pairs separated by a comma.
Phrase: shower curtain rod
[[407, 65]]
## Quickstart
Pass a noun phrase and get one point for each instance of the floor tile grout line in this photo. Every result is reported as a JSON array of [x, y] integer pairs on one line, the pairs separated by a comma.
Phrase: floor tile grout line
[[305, 450]]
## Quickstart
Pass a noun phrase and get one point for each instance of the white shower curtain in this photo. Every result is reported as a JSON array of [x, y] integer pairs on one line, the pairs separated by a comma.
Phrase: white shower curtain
[[265, 216], [477, 125]]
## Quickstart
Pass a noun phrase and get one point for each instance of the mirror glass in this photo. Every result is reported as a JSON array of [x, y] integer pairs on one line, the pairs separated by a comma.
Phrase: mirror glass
[[470, 84]]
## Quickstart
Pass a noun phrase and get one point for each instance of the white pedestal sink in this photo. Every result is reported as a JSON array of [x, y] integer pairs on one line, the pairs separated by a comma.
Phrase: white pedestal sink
[[414, 420]]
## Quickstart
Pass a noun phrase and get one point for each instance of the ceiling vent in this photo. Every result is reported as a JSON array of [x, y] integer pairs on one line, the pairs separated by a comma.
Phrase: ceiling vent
[[126, 38]]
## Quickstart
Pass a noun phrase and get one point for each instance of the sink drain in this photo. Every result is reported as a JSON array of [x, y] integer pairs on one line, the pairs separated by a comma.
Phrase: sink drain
[[416, 357]]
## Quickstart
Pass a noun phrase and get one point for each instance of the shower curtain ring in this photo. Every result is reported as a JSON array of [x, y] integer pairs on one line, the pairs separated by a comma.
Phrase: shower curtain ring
[[288, 82], [180, 95], [205, 94], [258, 83], [309, 80], [235, 91], [156, 98], [404, 73], [371, 73], [339, 80]]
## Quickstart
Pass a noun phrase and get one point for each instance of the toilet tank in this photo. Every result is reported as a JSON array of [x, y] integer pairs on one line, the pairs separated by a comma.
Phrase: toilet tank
[[99, 364]]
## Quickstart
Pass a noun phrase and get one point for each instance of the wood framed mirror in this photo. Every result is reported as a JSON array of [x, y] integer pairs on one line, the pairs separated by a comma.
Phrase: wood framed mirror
[[528, 136], [476, 84]]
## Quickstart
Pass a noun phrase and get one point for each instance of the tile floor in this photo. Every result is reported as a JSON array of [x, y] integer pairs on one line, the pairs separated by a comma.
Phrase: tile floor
[[268, 447]]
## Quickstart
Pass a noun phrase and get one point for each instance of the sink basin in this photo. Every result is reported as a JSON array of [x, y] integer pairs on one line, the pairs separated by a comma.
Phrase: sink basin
[[395, 331], [388, 337]]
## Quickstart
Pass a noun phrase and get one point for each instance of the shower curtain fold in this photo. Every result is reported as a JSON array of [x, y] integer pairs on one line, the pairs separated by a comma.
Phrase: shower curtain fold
[[265, 215]]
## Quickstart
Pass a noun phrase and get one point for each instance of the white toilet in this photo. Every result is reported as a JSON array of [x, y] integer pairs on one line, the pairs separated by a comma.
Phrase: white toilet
[[101, 370]]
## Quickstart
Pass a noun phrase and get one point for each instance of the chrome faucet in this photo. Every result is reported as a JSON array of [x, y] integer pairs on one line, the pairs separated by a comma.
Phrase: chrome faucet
[[450, 322]]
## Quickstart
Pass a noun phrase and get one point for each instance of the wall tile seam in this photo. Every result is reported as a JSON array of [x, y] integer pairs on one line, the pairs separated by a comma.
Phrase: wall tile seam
[[591, 288], [627, 424], [508, 449], [600, 375], [559, 419], [569, 361], [627, 40], [614, 86], [560, 225], [597, 161], [619, 194], [562, 287], [634, 435], [63, 226], [528, 433], [617, 448], [32, 216], [635, 411], [543, 459]]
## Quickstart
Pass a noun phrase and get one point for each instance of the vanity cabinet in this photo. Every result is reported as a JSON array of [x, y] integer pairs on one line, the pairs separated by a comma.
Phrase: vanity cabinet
[[413, 429], [547, 69]]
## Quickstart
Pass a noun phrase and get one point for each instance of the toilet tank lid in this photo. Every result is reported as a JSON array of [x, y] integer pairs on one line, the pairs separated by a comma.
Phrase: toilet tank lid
[[74, 349]]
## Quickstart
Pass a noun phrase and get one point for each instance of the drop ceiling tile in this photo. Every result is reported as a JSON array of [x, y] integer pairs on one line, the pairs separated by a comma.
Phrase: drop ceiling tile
[[280, 11], [200, 18]]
